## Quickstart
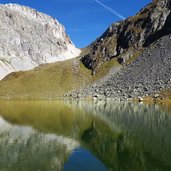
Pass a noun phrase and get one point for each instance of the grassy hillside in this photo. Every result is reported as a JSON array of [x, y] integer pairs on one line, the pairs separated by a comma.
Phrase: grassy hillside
[[166, 93], [50, 81]]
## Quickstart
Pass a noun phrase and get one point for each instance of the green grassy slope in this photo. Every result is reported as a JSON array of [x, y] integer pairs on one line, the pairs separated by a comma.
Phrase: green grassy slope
[[50, 81]]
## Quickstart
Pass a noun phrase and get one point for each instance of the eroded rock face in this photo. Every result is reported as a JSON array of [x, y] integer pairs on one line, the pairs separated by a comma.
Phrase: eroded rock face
[[148, 75], [125, 39], [30, 38]]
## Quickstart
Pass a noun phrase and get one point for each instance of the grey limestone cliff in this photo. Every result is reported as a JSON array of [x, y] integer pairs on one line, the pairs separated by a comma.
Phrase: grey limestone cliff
[[29, 38]]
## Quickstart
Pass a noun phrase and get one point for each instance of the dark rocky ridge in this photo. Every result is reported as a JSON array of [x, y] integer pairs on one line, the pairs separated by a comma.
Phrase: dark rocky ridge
[[147, 75], [125, 39], [147, 34]]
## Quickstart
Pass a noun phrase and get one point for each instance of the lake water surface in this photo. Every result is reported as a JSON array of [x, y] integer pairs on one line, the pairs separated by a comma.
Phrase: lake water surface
[[84, 136]]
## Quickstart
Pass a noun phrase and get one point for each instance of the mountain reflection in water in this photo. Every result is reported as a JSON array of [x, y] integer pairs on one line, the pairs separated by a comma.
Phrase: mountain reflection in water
[[84, 135]]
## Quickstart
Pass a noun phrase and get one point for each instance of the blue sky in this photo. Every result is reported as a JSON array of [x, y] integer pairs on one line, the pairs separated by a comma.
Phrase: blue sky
[[85, 20]]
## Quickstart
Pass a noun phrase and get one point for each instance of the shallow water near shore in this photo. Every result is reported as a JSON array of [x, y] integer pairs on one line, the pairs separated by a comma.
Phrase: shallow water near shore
[[84, 136]]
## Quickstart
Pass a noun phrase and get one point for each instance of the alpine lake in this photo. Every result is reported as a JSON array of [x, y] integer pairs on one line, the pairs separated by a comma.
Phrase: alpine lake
[[84, 136]]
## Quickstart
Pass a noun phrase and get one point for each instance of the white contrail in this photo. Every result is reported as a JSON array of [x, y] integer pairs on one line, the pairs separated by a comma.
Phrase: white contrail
[[111, 10]]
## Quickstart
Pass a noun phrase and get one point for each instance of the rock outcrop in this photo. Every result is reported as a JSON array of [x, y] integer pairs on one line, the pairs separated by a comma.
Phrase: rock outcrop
[[125, 39], [147, 35], [30, 38], [149, 74]]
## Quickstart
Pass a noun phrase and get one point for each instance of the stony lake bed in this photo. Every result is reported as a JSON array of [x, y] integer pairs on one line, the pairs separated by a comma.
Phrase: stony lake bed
[[84, 135]]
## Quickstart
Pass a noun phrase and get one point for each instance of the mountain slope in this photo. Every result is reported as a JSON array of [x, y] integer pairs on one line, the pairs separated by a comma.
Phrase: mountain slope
[[141, 43], [149, 74], [50, 81], [128, 38], [30, 38]]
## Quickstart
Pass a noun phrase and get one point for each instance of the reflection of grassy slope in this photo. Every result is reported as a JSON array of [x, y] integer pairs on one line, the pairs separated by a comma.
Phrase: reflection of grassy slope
[[117, 150], [50, 117], [101, 140], [55, 117], [121, 152], [143, 130], [51, 80]]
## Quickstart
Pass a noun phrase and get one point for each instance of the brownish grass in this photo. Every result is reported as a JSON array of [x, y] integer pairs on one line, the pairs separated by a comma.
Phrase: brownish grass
[[51, 81]]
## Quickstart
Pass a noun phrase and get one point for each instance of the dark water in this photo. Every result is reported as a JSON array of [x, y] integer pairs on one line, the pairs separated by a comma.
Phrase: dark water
[[84, 136]]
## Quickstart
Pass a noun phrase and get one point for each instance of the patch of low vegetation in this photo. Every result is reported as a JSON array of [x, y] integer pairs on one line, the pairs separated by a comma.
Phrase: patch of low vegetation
[[51, 81], [163, 99], [134, 57], [166, 94]]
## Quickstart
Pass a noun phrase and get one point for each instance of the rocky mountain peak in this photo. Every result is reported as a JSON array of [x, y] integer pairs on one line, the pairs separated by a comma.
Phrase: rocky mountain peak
[[38, 17], [127, 38], [162, 3], [30, 38]]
